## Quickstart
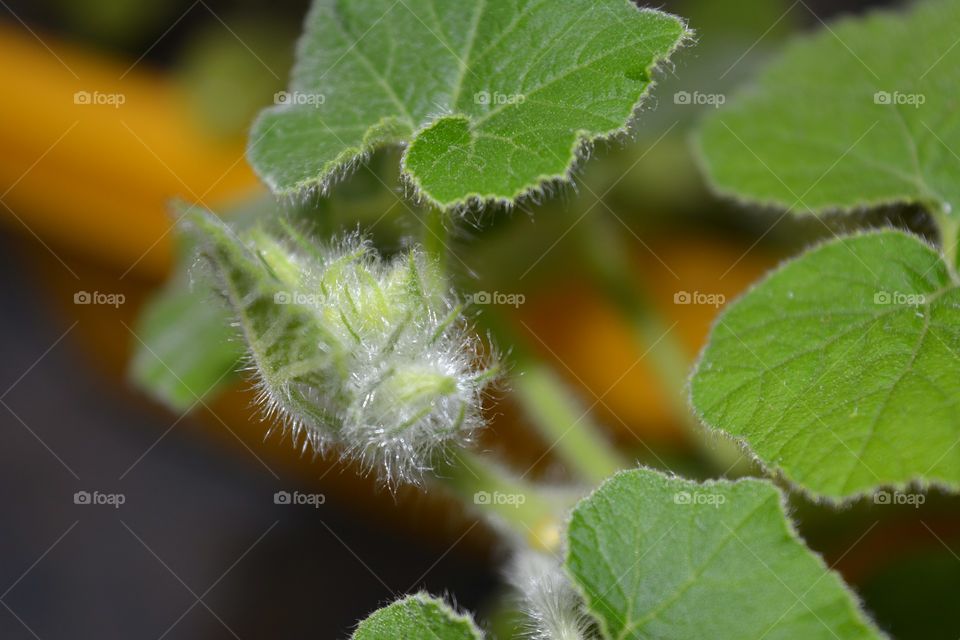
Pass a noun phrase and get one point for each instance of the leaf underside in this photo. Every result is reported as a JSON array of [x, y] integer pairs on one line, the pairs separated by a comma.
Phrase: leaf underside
[[660, 557], [840, 370], [492, 98]]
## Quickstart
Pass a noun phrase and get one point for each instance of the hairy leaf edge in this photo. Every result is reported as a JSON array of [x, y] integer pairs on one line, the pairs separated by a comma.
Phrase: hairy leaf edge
[[856, 607], [379, 136], [754, 88], [919, 481], [583, 140], [424, 598]]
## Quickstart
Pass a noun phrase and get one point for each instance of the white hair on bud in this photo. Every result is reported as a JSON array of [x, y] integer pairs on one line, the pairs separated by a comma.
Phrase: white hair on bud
[[553, 607], [370, 356]]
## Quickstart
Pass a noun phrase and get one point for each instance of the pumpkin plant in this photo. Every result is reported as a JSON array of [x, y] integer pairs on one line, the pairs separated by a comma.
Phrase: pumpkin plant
[[837, 373]]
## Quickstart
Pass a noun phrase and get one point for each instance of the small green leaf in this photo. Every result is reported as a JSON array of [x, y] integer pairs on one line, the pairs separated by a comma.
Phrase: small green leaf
[[840, 370], [859, 114], [418, 617], [493, 98], [661, 557], [187, 351], [184, 349], [280, 336]]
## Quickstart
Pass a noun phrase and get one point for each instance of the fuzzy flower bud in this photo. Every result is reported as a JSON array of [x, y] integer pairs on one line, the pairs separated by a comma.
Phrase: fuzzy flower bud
[[350, 350]]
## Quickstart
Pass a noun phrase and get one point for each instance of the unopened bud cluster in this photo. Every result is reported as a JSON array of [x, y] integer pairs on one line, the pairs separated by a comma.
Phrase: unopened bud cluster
[[369, 355]]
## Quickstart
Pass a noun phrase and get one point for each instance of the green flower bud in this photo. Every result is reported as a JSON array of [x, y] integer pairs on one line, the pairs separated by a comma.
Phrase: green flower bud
[[350, 350]]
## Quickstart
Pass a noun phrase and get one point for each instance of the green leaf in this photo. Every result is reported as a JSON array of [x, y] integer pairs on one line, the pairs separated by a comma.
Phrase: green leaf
[[417, 616], [661, 557], [282, 338], [840, 370], [860, 114], [493, 98], [184, 350]]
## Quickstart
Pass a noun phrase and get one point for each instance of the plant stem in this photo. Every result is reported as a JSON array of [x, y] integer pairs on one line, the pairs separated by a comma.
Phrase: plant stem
[[949, 228], [519, 505], [607, 258], [564, 423], [436, 236]]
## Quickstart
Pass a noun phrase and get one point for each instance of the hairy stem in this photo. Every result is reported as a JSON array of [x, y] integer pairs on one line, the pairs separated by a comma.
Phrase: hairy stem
[[606, 257], [507, 500], [567, 426], [436, 237], [565, 423], [949, 228]]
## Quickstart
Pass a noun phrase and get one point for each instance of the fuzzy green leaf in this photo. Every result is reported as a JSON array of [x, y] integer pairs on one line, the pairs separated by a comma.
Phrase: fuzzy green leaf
[[492, 98], [860, 114], [417, 616], [280, 337], [660, 557], [840, 370]]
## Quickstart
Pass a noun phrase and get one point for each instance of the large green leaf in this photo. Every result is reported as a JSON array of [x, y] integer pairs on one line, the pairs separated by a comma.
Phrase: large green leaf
[[418, 616], [861, 113], [840, 370], [492, 98], [661, 557]]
